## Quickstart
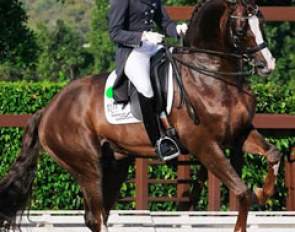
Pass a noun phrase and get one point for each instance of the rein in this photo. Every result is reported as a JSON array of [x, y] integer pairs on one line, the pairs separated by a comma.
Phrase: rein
[[210, 72], [184, 99], [205, 71], [183, 95]]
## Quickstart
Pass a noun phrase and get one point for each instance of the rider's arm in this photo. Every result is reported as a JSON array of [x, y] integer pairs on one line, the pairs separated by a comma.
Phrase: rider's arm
[[166, 24], [117, 18]]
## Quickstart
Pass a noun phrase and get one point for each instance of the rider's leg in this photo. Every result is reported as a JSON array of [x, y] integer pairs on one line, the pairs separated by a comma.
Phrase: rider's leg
[[166, 149], [137, 69]]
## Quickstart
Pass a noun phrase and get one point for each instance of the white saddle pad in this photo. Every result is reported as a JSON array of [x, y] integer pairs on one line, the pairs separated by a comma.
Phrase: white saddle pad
[[120, 113]]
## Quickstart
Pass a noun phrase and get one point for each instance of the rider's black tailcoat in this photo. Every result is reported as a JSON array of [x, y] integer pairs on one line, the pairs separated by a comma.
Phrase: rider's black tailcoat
[[129, 18]]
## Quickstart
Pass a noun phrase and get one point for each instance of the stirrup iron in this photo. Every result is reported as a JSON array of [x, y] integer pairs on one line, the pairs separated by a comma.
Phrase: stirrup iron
[[160, 147]]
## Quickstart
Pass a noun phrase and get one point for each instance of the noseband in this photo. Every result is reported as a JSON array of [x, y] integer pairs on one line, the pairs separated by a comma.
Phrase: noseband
[[239, 34]]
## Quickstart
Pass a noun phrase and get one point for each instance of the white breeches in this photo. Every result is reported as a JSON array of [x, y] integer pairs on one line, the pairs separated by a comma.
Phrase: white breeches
[[137, 67]]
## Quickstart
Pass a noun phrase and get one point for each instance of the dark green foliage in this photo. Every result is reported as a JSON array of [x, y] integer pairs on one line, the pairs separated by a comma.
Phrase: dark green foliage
[[26, 97], [101, 46], [55, 189], [63, 56], [18, 48]]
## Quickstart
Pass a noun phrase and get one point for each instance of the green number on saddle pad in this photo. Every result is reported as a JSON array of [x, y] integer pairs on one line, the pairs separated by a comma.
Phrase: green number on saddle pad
[[109, 92]]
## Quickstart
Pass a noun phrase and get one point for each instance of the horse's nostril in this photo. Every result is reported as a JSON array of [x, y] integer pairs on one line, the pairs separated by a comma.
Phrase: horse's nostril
[[260, 64], [266, 71]]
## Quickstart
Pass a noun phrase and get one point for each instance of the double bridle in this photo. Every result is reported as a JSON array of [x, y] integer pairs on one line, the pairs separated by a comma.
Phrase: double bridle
[[241, 52], [238, 34]]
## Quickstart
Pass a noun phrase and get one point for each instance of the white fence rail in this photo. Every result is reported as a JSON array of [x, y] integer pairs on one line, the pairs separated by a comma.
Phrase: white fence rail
[[147, 221]]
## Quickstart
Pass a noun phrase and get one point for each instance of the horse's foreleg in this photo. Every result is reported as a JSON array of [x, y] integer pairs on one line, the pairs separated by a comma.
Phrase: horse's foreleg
[[256, 144], [213, 158]]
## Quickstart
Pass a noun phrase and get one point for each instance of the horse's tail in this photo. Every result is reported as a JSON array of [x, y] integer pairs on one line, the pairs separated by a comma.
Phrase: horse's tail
[[16, 187]]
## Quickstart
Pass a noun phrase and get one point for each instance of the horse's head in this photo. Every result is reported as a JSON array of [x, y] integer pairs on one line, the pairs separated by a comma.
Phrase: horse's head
[[247, 35], [231, 26]]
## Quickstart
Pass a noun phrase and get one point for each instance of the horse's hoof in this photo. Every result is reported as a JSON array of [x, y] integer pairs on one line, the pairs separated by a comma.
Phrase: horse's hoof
[[240, 230]]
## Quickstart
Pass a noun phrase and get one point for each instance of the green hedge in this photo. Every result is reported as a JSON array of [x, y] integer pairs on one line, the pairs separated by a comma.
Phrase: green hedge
[[55, 189]]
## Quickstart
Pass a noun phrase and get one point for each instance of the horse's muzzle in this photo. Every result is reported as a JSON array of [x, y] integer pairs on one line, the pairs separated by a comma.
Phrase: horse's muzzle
[[264, 67]]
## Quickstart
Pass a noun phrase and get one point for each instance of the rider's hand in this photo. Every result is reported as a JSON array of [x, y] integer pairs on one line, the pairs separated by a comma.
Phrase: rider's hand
[[153, 37], [181, 29]]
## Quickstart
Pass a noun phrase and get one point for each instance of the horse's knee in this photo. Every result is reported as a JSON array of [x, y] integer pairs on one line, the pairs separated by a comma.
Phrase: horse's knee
[[248, 198], [243, 194]]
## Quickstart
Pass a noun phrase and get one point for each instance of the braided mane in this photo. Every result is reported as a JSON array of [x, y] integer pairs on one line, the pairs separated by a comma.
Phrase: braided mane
[[197, 8]]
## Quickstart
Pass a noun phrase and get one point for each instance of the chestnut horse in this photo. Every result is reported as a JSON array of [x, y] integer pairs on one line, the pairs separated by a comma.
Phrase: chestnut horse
[[224, 37]]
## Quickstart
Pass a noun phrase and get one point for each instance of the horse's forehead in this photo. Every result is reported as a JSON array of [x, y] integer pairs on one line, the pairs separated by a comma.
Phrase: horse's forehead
[[241, 10], [243, 5]]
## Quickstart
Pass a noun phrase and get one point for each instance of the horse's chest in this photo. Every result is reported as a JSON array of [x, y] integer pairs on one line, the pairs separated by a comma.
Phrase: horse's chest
[[240, 115]]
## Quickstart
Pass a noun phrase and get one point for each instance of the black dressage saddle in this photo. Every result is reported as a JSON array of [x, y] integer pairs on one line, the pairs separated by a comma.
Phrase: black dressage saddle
[[125, 92]]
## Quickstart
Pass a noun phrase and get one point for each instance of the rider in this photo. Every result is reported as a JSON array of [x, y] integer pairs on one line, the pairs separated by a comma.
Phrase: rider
[[131, 27]]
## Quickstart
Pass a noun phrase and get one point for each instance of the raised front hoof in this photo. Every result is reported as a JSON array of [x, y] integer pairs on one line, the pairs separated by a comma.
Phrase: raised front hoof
[[240, 230], [259, 197]]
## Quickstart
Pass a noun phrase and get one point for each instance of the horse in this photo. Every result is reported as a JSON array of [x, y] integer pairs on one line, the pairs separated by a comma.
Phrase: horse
[[224, 44]]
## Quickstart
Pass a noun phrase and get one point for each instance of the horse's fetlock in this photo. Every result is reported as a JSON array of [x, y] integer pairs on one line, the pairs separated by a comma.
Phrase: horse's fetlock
[[274, 167], [273, 155], [259, 196], [243, 194]]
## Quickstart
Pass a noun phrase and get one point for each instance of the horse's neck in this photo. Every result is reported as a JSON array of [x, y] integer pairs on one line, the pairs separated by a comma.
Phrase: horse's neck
[[205, 29], [218, 86], [208, 29], [210, 68]]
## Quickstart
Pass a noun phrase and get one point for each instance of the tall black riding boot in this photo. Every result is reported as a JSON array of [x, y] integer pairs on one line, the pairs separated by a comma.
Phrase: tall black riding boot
[[166, 148]]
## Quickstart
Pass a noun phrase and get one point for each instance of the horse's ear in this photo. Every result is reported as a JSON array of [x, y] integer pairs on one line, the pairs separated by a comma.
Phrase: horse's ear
[[232, 1]]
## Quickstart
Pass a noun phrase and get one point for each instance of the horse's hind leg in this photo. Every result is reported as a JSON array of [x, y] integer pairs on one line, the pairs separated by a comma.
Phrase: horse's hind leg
[[90, 180], [213, 158], [83, 161], [95, 216], [114, 174], [100, 186], [256, 144]]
